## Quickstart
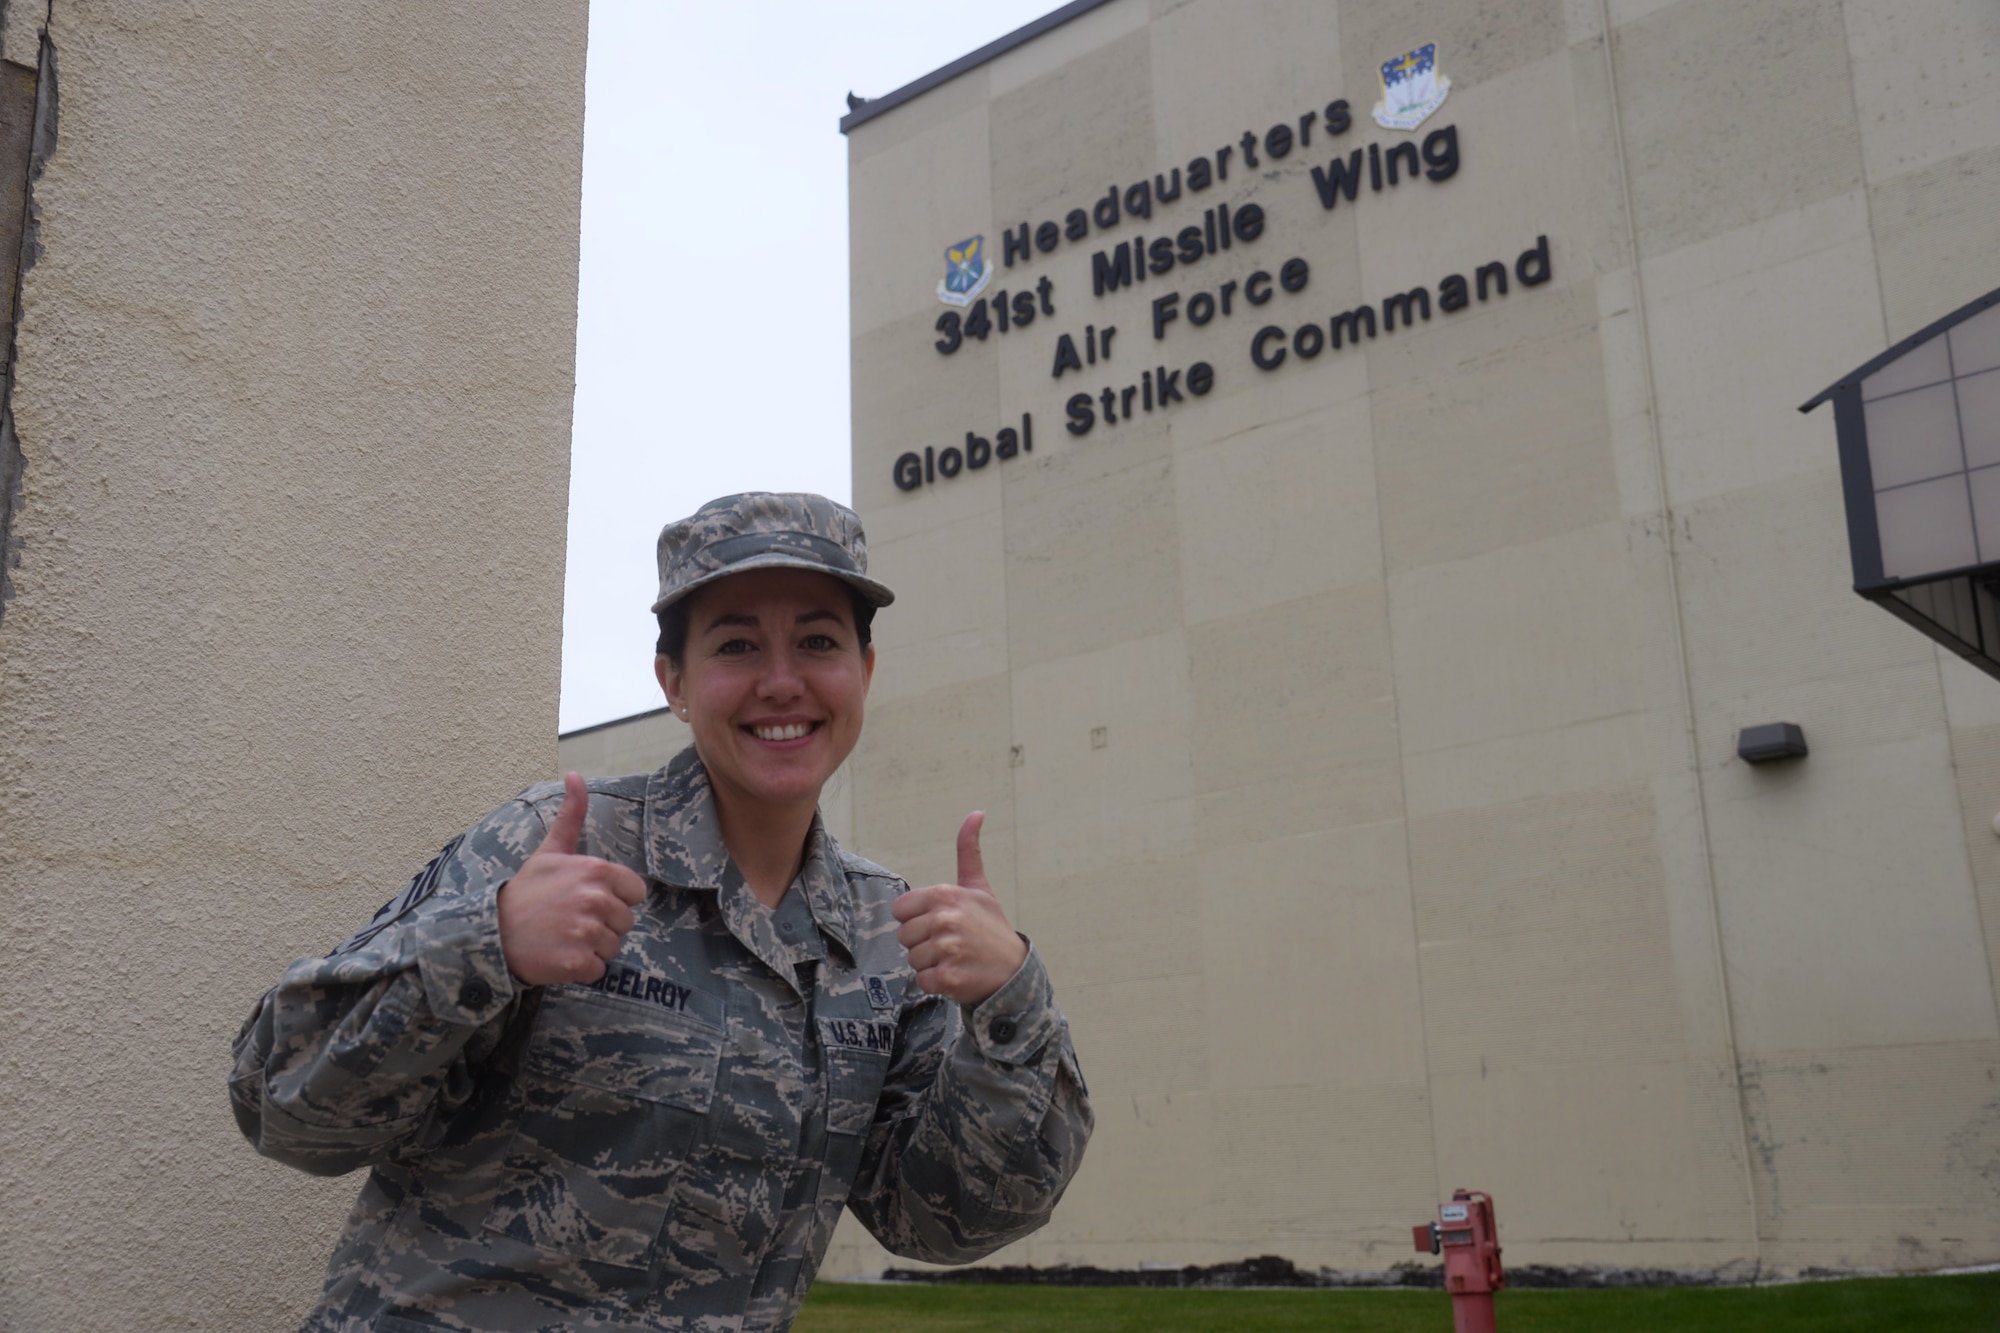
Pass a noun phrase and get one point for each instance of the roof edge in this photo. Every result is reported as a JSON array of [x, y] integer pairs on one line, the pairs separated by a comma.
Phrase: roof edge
[[865, 110], [1921, 336], [614, 722]]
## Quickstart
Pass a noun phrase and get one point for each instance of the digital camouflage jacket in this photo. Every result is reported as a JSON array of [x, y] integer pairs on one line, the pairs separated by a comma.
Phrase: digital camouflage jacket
[[669, 1148]]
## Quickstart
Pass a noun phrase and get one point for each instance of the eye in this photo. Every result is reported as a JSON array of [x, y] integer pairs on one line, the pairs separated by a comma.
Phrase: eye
[[734, 647], [820, 643]]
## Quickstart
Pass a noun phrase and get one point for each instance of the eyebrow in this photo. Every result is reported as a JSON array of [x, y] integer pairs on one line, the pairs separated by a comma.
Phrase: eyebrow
[[750, 622]]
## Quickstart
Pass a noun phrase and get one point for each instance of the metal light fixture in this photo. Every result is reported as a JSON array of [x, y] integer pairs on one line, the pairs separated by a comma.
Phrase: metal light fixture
[[1771, 741], [1919, 433]]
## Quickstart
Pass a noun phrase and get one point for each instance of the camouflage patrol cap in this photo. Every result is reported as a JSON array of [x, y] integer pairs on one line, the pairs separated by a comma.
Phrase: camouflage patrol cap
[[765, 530]]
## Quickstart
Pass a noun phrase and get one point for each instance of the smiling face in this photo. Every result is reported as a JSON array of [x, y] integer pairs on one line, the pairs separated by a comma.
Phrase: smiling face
[[773, 679]]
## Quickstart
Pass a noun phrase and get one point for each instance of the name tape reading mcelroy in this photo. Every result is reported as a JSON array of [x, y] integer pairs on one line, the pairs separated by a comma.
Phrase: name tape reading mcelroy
[[1289, 333]]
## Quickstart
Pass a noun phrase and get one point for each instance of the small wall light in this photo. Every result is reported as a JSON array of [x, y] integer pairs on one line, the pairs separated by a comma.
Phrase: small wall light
[[1773, 740]]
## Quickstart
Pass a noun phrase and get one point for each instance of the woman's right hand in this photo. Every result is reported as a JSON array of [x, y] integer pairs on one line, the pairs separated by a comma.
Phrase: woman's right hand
[[562, 916]]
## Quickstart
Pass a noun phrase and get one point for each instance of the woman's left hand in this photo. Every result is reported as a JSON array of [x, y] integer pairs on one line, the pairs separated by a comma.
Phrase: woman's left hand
[[958, 938]]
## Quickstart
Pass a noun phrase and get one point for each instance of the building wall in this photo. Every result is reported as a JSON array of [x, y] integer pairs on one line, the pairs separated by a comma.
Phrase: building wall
[[637, 744], [293, 396], [1358, 739]]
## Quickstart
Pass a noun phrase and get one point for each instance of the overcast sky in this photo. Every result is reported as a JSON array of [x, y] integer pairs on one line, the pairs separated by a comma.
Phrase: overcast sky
[[712, 307]]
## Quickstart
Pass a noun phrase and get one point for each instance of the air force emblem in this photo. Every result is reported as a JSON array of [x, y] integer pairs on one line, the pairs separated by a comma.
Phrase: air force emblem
[[966, 272], [1412, 88]]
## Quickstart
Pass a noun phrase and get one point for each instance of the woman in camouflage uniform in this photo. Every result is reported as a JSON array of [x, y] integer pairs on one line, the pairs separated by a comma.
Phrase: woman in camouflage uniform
[[618, 1057]]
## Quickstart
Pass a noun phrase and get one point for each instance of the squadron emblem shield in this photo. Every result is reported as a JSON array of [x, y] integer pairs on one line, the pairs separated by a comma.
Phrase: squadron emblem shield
[[1412, 88], [966, 272]]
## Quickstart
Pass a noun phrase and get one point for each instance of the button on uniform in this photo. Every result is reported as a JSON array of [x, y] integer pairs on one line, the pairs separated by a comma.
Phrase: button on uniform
[[1001, 1030], [475, 993]]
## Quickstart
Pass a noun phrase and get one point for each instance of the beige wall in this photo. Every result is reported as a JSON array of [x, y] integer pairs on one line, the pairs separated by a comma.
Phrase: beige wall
[[637, 744], [294, 393], [1413, 851]]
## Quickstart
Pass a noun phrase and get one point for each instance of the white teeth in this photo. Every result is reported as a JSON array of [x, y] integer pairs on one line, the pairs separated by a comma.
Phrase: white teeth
[[789, 732]]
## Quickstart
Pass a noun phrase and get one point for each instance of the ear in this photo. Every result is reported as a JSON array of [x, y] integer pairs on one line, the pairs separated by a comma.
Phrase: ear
[[867, 669], [670, 680]]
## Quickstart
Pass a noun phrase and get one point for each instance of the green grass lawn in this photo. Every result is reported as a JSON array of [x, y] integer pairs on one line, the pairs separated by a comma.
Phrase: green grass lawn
[[1965, 1304]]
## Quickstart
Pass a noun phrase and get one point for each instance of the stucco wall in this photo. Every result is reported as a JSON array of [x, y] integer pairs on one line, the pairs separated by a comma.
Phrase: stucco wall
[[293, 393], [1358, 740]]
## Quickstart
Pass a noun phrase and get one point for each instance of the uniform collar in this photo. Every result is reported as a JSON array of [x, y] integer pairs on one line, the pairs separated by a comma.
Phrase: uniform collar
[[684, 849]]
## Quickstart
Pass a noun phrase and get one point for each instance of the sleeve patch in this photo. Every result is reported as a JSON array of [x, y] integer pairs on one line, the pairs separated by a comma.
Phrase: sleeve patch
[[416, 891]]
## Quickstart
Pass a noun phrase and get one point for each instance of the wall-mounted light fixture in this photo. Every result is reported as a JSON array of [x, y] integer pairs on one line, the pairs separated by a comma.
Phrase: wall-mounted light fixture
[[1773, 740], [1919, 433]]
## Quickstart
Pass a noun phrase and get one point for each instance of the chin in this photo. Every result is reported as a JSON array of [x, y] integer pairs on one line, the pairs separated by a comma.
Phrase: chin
[[788, 796], [786, 787]]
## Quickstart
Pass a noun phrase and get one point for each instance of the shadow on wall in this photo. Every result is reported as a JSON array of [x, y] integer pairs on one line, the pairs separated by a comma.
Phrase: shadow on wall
[[27, 141]]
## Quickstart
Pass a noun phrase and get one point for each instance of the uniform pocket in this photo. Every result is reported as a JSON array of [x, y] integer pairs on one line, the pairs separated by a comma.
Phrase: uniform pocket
[[856, 1055], [853, 1087], [613, 1096], [854, 1081]]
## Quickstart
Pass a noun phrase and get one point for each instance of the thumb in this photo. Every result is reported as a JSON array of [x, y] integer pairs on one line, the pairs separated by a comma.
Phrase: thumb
[[563, 834], [971, 865]]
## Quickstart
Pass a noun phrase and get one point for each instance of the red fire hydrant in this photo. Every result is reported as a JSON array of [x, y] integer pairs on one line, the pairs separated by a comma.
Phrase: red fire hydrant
[[1468, 1237]]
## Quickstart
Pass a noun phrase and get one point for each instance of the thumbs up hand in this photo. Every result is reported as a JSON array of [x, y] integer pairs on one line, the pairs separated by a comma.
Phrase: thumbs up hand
[[958, 938], [562, 915]]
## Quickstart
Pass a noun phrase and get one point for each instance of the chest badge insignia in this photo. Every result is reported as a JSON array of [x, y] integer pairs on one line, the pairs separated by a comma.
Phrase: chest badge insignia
[[878, 992]]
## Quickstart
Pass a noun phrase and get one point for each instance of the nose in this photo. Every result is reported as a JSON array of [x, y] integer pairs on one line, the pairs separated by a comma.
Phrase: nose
[[780, 678]]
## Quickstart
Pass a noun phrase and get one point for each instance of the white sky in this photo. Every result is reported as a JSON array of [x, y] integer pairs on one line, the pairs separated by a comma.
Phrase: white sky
[[712, 304]]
